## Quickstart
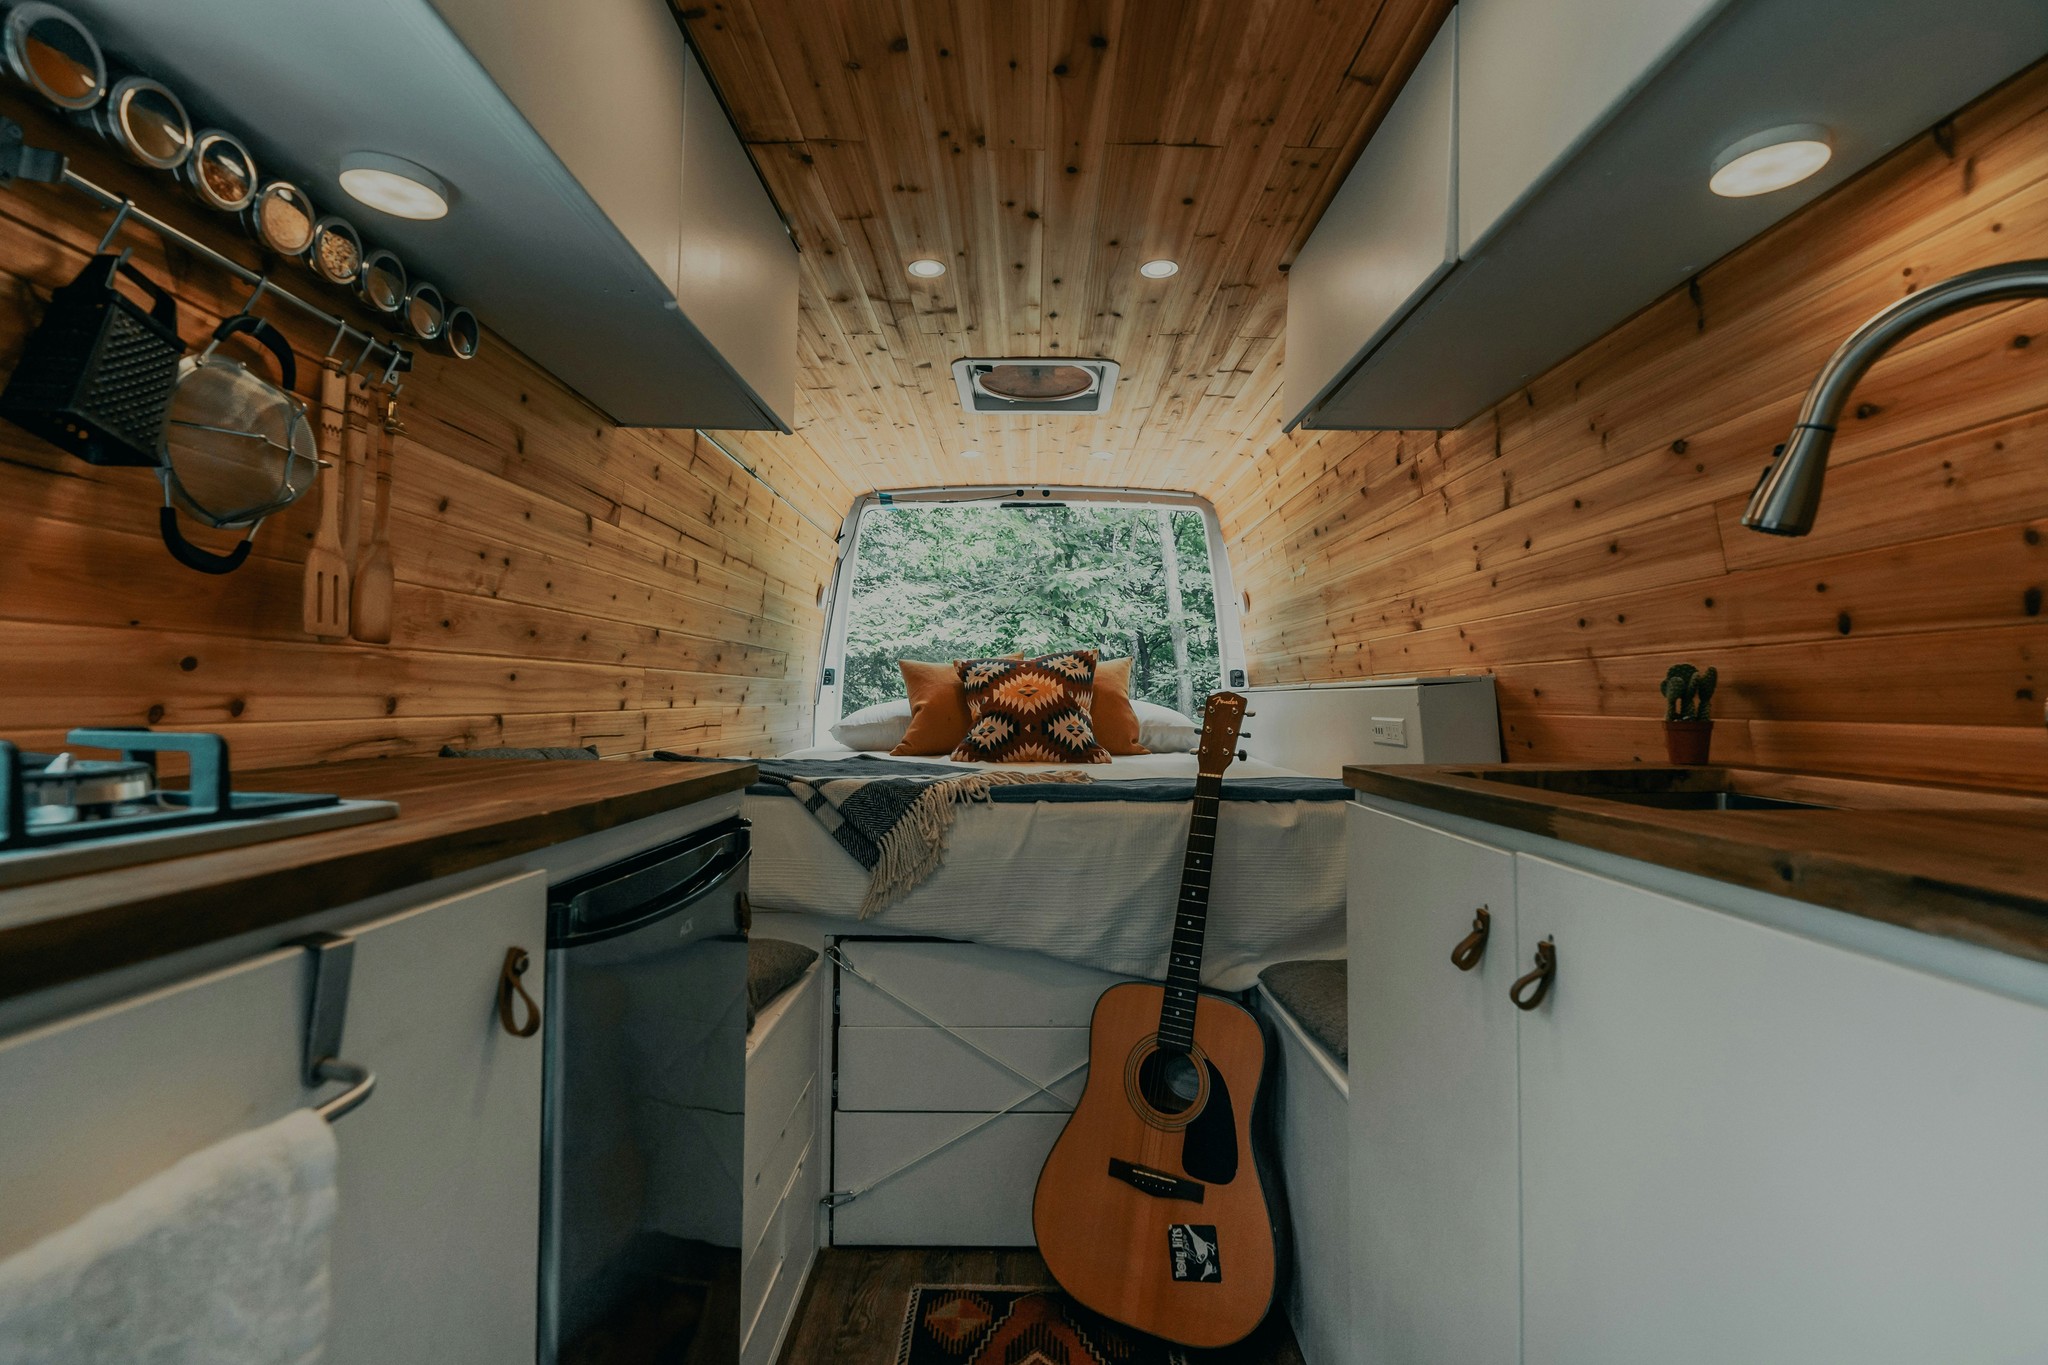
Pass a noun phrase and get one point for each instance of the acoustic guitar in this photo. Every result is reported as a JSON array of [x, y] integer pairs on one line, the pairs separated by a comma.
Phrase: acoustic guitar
[[1151, 1209]]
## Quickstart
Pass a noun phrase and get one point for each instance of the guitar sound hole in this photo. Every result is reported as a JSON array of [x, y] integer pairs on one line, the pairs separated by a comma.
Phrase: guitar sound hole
[[1170, 1081]]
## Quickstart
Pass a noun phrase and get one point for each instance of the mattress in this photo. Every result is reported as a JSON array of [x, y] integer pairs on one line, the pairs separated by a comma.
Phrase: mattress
[[1089, 882]]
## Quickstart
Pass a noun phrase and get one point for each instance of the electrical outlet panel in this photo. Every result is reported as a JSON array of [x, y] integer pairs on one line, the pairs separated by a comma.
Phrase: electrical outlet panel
[[1390, 730]]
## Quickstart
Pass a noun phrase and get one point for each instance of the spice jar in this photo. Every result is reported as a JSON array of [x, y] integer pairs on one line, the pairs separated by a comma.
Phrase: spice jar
[[336, 254], [462, 335], [54, 55], [146, 121], [426, 312], [381, 284], [281, 217], [220, 172]]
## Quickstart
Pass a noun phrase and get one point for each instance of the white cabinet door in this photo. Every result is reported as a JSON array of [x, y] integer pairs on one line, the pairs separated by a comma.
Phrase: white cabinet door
[[437, 1239], [1387, 237], [93, 1105], [1536, 77], [1433, 1169], [1739, 1144]]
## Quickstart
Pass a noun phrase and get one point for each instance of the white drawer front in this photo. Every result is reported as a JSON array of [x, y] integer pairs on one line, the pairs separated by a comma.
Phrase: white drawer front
[[766, 1181], [934, 1070], [976, 1192], [781, 1065], [773, 1275], [965, 984]]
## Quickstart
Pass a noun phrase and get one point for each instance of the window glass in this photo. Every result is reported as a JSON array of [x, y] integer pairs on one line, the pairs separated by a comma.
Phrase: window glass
[[941, 582]]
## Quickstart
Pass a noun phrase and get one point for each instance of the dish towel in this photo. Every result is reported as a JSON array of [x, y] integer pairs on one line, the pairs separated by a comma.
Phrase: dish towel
[[220, 1260]]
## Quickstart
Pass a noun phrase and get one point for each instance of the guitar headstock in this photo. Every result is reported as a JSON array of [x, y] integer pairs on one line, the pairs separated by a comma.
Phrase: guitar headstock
[[1220, 720]]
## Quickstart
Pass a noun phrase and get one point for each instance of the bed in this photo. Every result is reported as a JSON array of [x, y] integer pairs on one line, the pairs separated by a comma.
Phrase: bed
[[1089, 874]]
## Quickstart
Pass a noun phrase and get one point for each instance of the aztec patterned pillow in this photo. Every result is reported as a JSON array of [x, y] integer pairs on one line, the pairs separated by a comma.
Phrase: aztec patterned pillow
[[1030, 710]]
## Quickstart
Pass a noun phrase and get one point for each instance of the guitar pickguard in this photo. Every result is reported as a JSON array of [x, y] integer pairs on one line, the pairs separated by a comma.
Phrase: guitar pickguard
[[1209, 1144]]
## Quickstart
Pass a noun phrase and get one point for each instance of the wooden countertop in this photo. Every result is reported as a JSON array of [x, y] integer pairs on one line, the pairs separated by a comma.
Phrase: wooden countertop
[[453, 814], [1963, 863]]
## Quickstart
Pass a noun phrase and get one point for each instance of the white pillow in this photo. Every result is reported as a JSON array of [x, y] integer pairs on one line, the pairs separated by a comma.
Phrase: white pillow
[[1164, 730], [875, 729]]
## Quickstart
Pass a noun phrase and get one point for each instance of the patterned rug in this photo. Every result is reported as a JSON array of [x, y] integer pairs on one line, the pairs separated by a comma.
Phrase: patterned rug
[[964, 1324]]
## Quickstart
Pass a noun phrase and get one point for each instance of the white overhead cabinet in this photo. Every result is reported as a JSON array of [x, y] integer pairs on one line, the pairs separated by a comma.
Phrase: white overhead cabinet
[[615, 92], [1719, 1137], [1540, 79], [1585, 135], [1389, 235]]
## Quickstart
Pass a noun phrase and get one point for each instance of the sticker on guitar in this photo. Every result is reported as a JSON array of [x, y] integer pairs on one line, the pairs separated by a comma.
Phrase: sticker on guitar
[[1194, 1252]]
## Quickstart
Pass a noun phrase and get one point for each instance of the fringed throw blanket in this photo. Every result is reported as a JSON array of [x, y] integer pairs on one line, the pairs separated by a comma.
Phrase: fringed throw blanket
[[895, 827]]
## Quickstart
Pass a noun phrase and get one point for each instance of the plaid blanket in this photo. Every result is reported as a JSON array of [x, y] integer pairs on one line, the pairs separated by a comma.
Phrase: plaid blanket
[[893, 826]]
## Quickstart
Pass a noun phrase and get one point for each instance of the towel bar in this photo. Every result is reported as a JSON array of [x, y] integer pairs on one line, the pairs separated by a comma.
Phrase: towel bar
[[333, 957]]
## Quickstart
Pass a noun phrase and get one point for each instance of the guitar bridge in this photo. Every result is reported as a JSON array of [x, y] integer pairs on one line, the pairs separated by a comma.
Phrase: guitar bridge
[[1158, 1184]]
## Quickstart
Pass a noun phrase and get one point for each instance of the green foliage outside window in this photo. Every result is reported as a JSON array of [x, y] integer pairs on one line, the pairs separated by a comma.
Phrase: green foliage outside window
[[962, 582]]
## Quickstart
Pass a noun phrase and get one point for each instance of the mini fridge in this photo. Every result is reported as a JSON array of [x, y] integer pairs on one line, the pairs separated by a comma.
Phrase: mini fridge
[[645, 1106]]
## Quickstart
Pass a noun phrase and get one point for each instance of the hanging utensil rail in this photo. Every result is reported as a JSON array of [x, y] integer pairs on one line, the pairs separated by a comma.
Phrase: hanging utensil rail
[[396, 359]]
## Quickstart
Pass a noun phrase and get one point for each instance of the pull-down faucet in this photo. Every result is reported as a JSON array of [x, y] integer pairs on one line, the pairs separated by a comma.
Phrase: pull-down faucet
[[1788, 495]]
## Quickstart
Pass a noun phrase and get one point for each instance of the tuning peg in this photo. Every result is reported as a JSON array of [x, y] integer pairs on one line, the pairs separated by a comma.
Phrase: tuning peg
[[1249, 714], [1242, 756]]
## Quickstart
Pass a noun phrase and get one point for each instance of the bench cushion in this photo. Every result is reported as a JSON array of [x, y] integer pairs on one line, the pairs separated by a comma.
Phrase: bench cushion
[[773, 966], [1313, 992]]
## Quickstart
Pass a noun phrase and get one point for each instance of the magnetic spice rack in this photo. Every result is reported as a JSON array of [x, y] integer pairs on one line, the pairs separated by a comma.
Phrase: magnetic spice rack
[[21, 162]]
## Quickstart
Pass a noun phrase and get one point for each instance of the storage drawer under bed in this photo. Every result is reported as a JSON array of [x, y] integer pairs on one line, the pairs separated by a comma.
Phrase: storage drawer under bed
[[974, 1193], [915, 1019]]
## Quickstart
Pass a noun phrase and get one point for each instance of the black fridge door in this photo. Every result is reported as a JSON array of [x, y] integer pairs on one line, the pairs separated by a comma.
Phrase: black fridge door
[[645, 1108]]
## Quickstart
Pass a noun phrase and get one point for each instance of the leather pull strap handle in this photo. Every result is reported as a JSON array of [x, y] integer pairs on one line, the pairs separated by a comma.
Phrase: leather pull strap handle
[[1528, 991], [509, 986], [1472, 947]]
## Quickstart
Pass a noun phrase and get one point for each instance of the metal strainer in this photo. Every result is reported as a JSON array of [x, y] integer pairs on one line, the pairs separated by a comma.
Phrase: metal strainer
[[236, 447]]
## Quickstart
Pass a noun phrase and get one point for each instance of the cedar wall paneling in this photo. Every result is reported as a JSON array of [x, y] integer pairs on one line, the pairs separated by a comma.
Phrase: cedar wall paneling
[[560, 580], [1584, 534]]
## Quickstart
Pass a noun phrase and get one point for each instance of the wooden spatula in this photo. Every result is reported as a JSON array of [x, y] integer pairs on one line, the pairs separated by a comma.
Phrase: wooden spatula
[[372, 621], [326, 598]]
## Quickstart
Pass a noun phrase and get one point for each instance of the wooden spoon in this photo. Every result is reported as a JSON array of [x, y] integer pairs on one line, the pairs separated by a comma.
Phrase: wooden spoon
[[372, 623], [325, 605]]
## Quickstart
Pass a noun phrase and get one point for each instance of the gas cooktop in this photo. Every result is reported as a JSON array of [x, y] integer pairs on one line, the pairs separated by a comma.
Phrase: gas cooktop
[[61, 814]]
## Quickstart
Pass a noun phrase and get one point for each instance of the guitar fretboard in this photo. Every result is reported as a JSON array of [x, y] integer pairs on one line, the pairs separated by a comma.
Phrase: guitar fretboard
[[1190, 921]]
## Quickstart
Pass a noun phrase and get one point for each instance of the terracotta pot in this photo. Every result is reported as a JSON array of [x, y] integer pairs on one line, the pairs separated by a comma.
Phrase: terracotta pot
[[1687, 741]]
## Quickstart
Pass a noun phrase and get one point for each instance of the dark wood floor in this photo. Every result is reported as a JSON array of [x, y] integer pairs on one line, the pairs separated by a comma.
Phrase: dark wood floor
[[852, 1312]]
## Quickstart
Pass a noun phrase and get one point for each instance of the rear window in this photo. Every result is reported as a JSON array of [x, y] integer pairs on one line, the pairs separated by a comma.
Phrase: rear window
[[942, 582]]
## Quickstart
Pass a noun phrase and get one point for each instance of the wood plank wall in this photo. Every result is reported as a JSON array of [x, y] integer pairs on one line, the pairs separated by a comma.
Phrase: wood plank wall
[[1584, 534], [561, 580]]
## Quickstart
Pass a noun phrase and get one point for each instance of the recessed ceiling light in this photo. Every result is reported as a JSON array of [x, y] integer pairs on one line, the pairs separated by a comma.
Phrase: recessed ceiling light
[[926, 268], [394, 186], [1770, 160], [1105, 454], [1159, 269]]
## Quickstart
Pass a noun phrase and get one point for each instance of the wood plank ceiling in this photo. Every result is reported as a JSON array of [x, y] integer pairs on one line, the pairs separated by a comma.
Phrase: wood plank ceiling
[[1043, 149]]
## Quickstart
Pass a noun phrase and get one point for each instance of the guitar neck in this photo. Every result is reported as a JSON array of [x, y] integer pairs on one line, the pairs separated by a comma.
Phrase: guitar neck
[[1190, 920]]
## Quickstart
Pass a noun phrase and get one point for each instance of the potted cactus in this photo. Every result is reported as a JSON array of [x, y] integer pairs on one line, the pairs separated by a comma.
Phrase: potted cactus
[[1688, 724]]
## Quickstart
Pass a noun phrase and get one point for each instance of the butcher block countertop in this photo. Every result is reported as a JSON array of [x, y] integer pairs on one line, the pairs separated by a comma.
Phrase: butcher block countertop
[[1963, 863], [453, 814]]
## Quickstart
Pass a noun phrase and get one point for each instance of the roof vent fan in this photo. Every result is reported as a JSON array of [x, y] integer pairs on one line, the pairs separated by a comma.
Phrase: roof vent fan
[[1035, 384]]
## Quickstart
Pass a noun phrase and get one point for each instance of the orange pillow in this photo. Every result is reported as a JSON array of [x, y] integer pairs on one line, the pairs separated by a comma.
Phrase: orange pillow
[[938, 708], [1116, 721]]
